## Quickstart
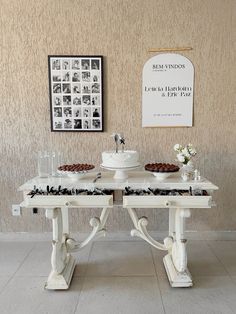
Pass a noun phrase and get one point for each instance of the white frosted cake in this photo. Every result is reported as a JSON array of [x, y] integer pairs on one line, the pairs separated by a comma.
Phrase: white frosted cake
[[126, 159]]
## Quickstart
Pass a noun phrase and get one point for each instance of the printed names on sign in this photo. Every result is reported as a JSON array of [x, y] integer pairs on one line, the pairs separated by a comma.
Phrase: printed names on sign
[[167, 91]]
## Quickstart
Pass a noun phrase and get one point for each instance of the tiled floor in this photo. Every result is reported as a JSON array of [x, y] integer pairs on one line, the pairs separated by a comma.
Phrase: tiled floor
[[118, 277]]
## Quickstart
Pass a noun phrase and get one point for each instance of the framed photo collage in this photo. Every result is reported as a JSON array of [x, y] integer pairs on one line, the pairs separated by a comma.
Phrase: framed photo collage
[[76, 87]]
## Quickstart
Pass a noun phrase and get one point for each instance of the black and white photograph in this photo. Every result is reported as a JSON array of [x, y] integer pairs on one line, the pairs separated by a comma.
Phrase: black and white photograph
[[86, 100], [77, 124], [77, 101], [56, 77], [56, 88], [66, 88], [86, 88], [85, 63], [66, 76], [66, 100], [95, 64], [95, 101], [58, 124], [96, 113], [96, 123], [95, 77], [67, 112], [86, 113], [86, 76], [65, 64], [58, 112], [87, 124], [76, 88], [76, 93], [57, 101], [75, 76], [56, 64], [77, 112], [75, 64], [95, 88], [68, 124]]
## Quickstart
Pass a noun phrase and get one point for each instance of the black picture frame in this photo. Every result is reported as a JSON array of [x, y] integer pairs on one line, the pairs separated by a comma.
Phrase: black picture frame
[[76, 93]]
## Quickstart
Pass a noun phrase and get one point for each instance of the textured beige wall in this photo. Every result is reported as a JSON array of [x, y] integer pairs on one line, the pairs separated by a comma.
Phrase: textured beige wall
[[121, 31]]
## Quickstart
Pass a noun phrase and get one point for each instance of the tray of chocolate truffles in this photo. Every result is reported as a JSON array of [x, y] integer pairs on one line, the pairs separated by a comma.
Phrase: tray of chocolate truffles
[[161, 170], [75, 170]]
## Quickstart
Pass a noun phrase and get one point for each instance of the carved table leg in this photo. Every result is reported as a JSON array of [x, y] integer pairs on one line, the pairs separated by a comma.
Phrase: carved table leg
[[140, 230], [172, 212], [176, 260], [65, 220], [98, 224], [62, 262]]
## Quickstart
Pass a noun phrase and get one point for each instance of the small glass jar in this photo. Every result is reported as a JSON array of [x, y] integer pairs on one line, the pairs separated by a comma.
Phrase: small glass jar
[[187, 172], [185, 176]]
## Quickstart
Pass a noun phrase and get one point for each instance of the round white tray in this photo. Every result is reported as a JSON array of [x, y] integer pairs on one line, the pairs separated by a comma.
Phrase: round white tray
[[121, 173], [74, 174], [160, 176]]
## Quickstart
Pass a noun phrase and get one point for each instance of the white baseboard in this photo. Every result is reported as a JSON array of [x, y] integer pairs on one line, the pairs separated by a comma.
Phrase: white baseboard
[[119, 236]]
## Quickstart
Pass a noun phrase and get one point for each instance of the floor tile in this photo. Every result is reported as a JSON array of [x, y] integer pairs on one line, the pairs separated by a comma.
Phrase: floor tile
[[124, 280], [201, 260], [82, 257], [38, 262], [226, 253], [12, 255], [26, 295], [3, 281], [158, 261], [210, 294], [234, 279], [120, 259], [120, 295]]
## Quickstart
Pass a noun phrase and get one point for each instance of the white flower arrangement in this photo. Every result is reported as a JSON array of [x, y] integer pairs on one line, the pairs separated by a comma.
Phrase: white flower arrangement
[[185, 154]]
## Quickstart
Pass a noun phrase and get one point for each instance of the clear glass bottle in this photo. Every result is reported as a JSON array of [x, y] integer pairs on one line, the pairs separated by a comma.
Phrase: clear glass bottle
[[43, 164], [56, 161]]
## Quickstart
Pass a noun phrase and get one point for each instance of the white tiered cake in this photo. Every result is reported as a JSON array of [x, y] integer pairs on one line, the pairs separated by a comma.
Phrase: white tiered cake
[[121, 159]]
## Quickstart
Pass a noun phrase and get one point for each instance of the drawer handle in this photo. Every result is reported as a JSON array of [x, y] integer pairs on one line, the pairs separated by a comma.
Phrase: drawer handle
[[167, 203], [67, 204]]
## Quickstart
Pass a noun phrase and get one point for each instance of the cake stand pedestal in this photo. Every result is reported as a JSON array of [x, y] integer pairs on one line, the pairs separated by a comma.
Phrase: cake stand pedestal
[[120, 173]]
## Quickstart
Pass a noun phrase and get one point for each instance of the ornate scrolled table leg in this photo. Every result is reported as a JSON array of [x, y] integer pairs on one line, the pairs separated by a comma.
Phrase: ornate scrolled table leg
[[63, 263], [98, 224], [175, 261], [140, 231]]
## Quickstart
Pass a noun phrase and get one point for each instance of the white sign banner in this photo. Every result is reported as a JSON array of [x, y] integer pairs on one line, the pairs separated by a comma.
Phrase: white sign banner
[[167, 91]]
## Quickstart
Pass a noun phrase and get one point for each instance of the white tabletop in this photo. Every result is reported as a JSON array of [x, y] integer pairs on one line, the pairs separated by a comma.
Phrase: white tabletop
[[135, 180]]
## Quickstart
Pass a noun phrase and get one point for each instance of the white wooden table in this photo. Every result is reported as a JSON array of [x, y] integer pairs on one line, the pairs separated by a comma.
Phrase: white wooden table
[[63, 263]]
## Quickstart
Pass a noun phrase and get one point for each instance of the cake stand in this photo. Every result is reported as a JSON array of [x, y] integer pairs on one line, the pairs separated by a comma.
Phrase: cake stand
[[120, 173]]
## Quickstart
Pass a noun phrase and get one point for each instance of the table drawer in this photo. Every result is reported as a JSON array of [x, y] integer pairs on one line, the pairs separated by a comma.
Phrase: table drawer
[[68, 200], [167, 201]]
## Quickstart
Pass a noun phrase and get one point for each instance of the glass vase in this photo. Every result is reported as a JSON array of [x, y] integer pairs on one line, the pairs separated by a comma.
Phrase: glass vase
[[187, 171]]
